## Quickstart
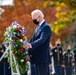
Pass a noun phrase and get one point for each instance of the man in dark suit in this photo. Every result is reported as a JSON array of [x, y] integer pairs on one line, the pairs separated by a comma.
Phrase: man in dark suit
[[38, 47]]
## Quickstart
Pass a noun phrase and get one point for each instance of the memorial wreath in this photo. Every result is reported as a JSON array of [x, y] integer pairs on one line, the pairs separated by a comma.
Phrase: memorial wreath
[[15, 38]]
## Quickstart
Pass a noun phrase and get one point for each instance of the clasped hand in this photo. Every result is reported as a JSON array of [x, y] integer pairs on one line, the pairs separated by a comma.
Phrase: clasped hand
[[27, 45]]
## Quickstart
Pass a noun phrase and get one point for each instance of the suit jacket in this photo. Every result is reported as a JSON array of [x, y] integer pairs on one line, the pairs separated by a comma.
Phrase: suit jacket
[[39, 53]]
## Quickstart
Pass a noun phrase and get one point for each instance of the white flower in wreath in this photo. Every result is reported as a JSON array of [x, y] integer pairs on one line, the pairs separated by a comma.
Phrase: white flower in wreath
[[26, 52], [6, 33], [21, 40], [22, 60], [9, 29], [6, 29]]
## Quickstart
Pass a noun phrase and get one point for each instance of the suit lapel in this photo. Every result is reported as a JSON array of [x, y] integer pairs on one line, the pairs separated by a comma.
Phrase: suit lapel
[[40, 28], [36, 33]]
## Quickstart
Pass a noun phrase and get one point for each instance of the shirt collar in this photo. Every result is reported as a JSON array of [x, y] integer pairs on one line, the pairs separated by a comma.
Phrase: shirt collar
[[41, 22]]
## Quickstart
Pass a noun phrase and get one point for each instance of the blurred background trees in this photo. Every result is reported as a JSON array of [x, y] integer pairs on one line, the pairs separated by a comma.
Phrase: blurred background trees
[[60, 14]]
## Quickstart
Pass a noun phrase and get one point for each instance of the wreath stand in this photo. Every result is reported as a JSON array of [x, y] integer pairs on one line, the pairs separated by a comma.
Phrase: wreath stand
[[12, 58]]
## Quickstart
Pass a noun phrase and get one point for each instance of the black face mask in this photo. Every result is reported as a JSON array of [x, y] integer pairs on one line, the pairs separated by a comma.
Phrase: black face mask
[[68, 50], [58, 44], [35, 21]]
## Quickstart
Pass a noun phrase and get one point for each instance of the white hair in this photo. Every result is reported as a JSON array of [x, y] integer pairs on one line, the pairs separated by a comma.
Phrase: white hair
[[38, 13]]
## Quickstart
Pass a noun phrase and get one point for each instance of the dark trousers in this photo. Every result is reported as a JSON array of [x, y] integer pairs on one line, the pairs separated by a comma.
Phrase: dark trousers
[[58, 70], [68, 70], [33, 69], [74, 70], [4, 69], [40, 69], [63, 71]]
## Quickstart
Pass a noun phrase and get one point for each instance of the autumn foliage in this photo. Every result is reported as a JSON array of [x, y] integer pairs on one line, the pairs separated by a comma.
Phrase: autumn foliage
[[56, 14], [21, 12]]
